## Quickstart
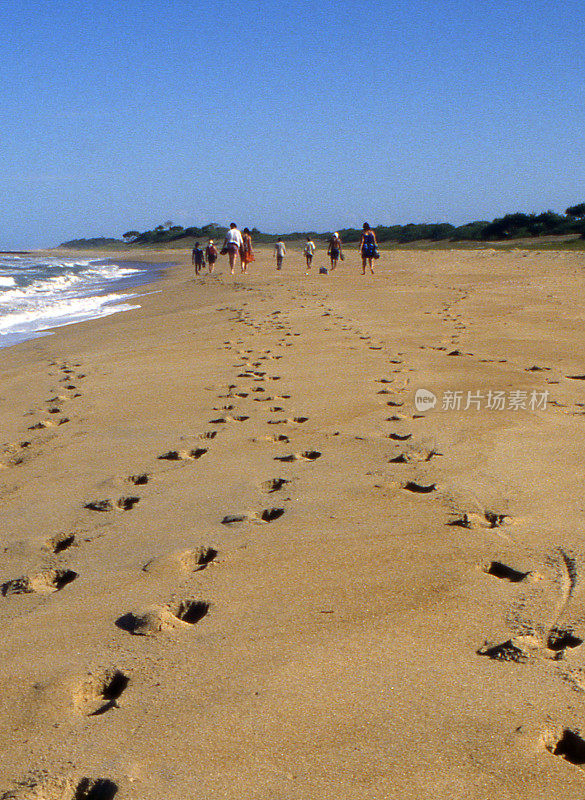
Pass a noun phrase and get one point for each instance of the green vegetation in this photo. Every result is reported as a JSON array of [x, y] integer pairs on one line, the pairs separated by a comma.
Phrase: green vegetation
[[504, 229], [90, 244]]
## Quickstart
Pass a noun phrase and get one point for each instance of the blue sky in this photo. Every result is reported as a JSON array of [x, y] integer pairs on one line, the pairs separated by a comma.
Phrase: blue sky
[[317, 115]]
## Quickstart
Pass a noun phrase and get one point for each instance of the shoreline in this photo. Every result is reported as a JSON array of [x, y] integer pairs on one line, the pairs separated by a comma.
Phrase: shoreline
[[38, 313], [237, 561]]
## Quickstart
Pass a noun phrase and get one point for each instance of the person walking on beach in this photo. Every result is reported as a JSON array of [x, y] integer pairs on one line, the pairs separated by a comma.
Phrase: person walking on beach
[[198, 258], [309, 251], [279, 252], [368, 248], [334, 251], [232, 243], [246, 252], [211, 255]]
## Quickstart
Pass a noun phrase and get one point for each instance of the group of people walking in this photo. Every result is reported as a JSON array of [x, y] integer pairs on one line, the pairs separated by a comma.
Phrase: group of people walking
[[239, 243]]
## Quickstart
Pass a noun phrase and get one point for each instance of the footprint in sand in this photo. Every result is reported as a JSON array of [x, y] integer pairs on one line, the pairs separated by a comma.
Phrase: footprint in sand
[[159, 619], [224, 420], [234, 519], [520, 649], [418, 488], [38, 426], [543, 615], [51, 580], [62, 788], [61, 542], [566, 743], [414, 456], [288, 421], [99, 693], [504, 572], [274, 485], [307, 455], [183, 561], [270, 514], [184, 455], [138, 480], [267, 515], [122, 504], [17, 454]]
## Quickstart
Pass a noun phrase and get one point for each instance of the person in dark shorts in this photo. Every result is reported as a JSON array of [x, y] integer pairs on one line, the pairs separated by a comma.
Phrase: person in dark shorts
[[368, 248], [334, 251], [198, 258], [211, 255]]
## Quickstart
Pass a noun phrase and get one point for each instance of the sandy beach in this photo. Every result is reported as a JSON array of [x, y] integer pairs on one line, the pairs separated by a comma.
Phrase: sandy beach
[[238, 562]]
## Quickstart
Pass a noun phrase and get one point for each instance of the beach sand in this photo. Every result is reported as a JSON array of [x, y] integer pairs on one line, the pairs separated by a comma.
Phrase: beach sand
[[288, 582]]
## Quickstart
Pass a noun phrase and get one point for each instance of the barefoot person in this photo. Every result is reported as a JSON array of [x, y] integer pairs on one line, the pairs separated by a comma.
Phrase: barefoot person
[[279, 253], [211, 255], [309, 251], [198, 258], [246, 252], [334, 251], [232, 243], [368, 248]]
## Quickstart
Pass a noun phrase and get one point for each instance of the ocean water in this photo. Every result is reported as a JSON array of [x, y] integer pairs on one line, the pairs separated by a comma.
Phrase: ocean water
[[38, 293]]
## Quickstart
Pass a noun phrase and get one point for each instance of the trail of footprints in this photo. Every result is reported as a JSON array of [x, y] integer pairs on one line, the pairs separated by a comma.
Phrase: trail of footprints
[[543, 637], [53, 414], [552, 631], [100, 693]]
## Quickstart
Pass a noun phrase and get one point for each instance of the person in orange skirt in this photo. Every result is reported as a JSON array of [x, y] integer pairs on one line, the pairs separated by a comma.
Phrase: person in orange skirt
[[246, 252]]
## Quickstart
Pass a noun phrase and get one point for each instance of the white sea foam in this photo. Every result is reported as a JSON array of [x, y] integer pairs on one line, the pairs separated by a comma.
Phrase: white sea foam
[[55, 315], [37, 294]]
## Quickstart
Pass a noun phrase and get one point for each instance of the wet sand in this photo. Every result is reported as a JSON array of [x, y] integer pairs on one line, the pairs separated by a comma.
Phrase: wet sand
[[237, 561]]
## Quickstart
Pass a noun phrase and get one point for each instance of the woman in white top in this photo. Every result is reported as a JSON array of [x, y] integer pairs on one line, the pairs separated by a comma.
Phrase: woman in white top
[[232, 243]]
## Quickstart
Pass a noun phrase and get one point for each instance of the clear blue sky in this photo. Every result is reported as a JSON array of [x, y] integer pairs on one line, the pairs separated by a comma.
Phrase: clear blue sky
[[121, 115]]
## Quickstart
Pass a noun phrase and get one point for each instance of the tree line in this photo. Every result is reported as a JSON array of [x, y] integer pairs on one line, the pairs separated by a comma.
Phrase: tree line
[[511, 226]]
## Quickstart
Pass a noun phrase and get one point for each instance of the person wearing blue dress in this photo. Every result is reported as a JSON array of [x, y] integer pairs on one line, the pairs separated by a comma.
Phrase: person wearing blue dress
[[368, 248]]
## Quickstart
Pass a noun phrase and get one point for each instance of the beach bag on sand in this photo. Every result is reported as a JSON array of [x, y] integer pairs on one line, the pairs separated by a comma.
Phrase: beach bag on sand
[[323, 271]]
